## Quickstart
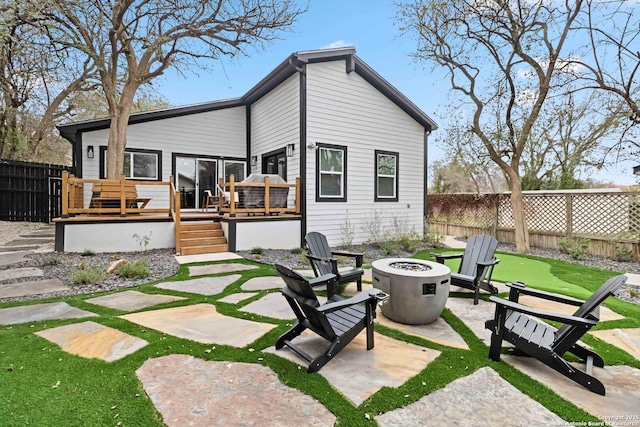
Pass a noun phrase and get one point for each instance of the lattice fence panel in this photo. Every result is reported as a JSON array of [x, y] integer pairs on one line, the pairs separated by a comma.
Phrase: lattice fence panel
[[462, 209], [604, 214], [546, 212], [505, 213]]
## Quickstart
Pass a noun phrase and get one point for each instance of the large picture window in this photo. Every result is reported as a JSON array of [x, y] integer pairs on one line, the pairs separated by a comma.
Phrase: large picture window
[[386, 183], [138, 164], [331, 173]]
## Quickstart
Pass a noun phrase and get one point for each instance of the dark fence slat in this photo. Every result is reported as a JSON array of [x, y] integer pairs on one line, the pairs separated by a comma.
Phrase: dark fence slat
[[30, 191]]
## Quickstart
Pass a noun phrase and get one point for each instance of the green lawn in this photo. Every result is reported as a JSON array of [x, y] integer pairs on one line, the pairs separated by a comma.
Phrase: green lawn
[[41, 385]]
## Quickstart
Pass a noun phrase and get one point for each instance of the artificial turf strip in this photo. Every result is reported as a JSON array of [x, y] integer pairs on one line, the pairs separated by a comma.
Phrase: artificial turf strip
[[92, 392]]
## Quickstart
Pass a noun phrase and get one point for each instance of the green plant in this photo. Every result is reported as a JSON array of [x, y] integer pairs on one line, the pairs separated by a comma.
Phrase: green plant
[[622, 253], [88, 275], [633, 293], [372, 226], [435, 239], [389, 246], [52, 260], [88, 252], [135, 270], [576, 247], [257, 250], [297, 251], [142, 240], [348, 231], [411, 242]]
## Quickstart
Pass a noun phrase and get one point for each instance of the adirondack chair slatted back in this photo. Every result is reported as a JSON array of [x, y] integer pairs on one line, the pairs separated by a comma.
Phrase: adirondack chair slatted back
[[304, 302], [318, 246], [567, 335], [480, 248]]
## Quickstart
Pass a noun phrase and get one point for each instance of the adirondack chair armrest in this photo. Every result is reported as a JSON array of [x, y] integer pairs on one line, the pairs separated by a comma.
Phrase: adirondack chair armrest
[[440, 258], [558, 317], [489, 263], [322, 280], [357, 299], [521, 288], [358, 256]]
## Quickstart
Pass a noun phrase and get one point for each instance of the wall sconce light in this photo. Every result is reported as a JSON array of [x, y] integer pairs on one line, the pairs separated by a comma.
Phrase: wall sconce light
[[254, 160], [89, 151], [290, 148], [311, 146]]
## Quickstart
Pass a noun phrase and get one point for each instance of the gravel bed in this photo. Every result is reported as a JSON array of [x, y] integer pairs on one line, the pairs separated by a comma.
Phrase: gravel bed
[[162, 264]]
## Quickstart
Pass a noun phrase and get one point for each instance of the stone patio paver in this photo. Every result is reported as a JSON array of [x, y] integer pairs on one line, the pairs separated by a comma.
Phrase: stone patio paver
[[196, 323], [622, 385], [263, 283], [93, 340], [480, 399], [188, 391], [37, 312], [201, 270], [236, 298], [131, 300], [628, 339], [35, 287], [20, 273], [556, 307], [439, 331], [274, 305], [202, 286], [219, 256], [13, 258], [358, 373], [474, 316]]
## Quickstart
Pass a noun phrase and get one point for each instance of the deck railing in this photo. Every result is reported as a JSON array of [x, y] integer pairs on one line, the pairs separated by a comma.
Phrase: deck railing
[[73, 196], [232, 201]]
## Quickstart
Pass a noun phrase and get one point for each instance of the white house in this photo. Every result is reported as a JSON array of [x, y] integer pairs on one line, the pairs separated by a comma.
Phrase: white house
[[357, 144]]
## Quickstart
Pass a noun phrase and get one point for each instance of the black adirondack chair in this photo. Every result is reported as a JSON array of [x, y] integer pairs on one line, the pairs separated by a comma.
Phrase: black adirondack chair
[[338, 321], [476, 266], [321, 258], [542, 341]]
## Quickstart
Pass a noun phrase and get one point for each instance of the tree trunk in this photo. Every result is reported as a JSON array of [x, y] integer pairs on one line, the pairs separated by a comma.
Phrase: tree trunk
[[118, 133], [519, 218]]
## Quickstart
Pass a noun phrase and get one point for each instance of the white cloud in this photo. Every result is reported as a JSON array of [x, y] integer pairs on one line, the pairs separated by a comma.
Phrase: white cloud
[[338, 44]]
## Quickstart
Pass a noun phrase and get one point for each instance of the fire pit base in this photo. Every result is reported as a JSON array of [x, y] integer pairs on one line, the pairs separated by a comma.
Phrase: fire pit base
[[418, 289]]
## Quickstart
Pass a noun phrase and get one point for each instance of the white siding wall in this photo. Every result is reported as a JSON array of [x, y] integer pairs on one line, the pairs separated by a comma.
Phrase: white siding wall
[[275, 122], [214, 133], [343, 109]]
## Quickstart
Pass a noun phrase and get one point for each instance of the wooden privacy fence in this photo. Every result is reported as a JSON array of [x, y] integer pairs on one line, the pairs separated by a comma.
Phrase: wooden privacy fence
[[30, 191], [610, 220]]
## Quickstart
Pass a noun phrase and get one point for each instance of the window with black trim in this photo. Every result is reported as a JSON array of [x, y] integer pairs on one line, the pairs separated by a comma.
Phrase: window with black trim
[[138, 164], [386, 181], [331, 173]]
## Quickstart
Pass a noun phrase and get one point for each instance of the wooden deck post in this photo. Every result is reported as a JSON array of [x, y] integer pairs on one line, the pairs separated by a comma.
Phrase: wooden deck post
[[232, 191], [176, 220], [266, 195], [171, 193], [65, 194], [298, 195], [123, 196]]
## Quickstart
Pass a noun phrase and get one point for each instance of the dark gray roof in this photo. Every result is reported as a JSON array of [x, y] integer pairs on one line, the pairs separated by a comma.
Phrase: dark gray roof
[[286, 69]]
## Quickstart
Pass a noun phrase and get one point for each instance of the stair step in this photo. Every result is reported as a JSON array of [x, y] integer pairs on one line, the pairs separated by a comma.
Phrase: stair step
[[189, 226], [203, 241], [194, 250], [190, 234]]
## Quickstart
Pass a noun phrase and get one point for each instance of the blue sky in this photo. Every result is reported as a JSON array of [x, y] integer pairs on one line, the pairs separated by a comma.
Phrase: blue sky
[[366, 25]]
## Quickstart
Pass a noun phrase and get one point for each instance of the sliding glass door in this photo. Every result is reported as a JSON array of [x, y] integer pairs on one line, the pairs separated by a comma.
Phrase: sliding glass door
[[193, 176]]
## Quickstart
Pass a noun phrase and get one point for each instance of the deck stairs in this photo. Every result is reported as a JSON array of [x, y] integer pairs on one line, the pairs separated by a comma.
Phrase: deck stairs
[[202, 237]]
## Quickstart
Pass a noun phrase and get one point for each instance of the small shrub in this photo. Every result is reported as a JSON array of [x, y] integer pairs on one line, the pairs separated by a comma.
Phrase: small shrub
[[257, 250], [302, 259], [410, 243], [390, 246], [373, 227], [622, 253], [257, 256], [52, 261], [576, 247], [142, 240], [135, 270], [348, 231], [633, 293], [435, 239], [88, 252], [297, 251], [88, 275]]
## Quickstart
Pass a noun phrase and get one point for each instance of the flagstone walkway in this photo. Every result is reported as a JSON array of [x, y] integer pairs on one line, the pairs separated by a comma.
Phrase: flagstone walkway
[[188, 390]]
